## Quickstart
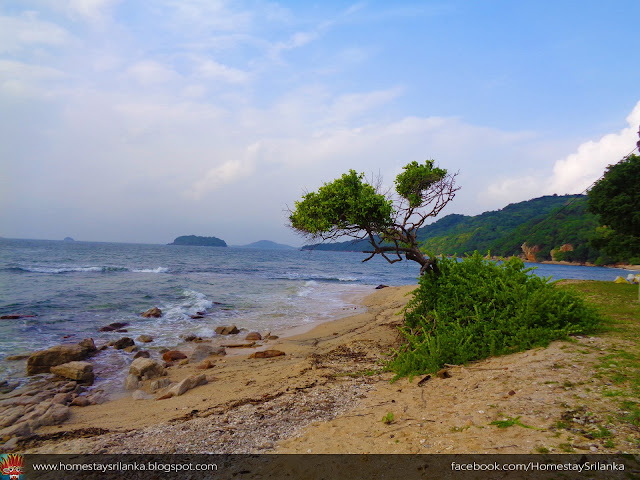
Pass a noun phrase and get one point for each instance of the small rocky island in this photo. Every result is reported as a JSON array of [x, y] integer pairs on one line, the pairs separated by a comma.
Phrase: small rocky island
[[194, 240]]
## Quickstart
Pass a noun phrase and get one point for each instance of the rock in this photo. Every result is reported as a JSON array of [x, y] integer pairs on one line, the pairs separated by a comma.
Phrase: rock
[[140, 395], [81, 372], [227, 330], [11, 415], [239, 345], [253, 336], [443, 373], [197, 317], [123, 343], [205, 365], [88, 344], [113, 326], [9, 445], [267, 354], [272, 337], [6, 387], [15, 358], [16, 317], [142, 354], [131, 349], [187, 384], [380, 287], [131, 382], [22, 429], [62, 398], [154, 312], [42, 361], [145, 368], [192, 338], [159, 383], [203, 351], [55, 415], [145, 338], [173, 355], [80, 402]]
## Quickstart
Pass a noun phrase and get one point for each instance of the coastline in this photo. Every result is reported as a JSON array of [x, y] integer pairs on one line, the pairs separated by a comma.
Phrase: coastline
[[328, 395]]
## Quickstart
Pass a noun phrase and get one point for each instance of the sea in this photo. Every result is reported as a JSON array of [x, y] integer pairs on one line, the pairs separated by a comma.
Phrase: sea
[[68, 290]]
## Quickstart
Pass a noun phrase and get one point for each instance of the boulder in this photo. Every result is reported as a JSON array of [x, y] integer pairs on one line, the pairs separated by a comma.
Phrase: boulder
[[113, 326], [55, 415], [140, 395], [80, 402], [154, 312], [187, 384], [131, 349], [203, 351], [145, 338], [159, 383], [253, 336], [227, 330], [145, 368], [267, 354], [22, 429], [123, 343], [131, 382], [81, 372], [142, 354], [173, 355], [42, 361]]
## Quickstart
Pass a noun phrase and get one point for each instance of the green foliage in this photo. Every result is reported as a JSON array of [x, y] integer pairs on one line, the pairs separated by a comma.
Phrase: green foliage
[[476, 308], [388, 418], [510, 422], [615, 198], [416, 179], [346, 203]]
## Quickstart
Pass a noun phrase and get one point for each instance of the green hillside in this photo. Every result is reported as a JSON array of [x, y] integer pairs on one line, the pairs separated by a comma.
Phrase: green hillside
[[545, 223]]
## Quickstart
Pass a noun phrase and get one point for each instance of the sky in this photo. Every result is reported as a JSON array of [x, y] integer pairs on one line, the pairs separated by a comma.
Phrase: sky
[[140, 121]]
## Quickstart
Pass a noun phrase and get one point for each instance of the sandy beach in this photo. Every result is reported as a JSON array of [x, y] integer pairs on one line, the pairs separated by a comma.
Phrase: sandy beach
[[327, 395]]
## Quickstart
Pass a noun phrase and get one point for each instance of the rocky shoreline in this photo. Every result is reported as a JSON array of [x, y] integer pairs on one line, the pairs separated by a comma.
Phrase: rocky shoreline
[[328, 393], [61, 377]]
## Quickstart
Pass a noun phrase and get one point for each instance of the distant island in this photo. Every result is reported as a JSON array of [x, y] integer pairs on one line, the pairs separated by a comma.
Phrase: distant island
[[196, 241], [267, 245], [68, 239]]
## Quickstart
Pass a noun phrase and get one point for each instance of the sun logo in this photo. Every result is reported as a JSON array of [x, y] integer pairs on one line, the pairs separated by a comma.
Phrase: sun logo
[[12, 465]]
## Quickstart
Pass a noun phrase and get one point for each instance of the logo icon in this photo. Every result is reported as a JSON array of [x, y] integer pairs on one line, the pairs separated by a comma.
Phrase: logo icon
[[12, 465]]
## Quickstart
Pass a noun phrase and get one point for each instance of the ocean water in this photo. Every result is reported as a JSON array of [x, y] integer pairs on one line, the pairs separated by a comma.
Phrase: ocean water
[[74, 288]]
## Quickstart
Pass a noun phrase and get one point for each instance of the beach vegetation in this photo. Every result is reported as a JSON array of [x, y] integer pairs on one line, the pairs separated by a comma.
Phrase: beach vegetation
[[388, 221], [388, 418], [478, 308]]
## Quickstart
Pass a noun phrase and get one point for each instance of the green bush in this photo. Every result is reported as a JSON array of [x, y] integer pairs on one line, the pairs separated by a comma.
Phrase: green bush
[[477, 308]]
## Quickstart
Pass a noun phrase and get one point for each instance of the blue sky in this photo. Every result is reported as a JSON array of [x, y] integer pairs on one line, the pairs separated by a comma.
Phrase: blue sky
[[144, 120]]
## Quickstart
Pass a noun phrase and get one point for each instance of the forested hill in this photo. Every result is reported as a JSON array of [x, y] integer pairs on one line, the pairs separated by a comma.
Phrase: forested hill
[[543, 223], [194, 240]]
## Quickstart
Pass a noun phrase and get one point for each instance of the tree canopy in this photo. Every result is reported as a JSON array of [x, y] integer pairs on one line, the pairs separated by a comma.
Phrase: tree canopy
[[349, 206], [615, 198]]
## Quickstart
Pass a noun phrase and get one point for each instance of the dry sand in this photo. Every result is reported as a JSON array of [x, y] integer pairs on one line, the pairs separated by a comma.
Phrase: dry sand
[[324, 396]]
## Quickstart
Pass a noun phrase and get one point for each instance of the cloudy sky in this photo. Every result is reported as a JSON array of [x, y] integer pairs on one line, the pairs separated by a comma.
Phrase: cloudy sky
[[138, 121]]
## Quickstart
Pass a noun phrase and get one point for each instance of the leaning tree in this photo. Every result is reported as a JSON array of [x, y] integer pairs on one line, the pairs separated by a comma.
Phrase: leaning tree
[[349, 206]]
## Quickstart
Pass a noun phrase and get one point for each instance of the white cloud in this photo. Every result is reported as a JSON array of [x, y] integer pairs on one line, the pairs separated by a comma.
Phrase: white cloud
[[149, 72], [228, 172], [210, 69], [580, 169], [27, 31], [571, 174]]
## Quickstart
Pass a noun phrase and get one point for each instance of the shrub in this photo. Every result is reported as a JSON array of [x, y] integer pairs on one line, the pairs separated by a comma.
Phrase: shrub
[[477, 308]]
